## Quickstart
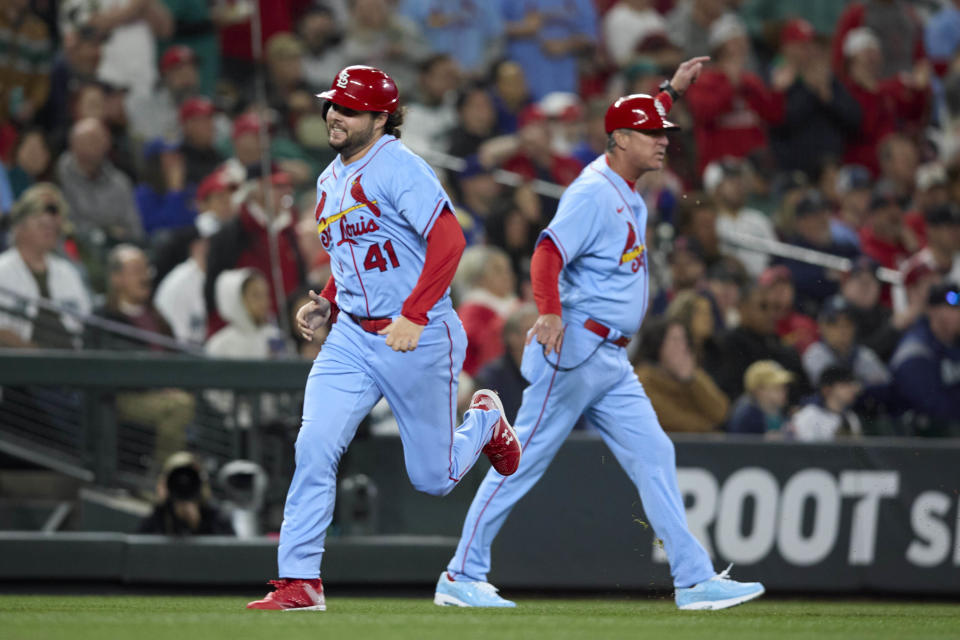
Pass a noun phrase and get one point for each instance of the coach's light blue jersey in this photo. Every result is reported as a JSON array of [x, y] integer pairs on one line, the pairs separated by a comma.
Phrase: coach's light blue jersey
[[600, 231], [373, 217]]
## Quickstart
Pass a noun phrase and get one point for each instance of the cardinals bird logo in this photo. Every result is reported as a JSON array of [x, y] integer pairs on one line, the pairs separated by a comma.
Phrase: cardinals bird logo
[[323, 201], [356, 190], [632, 252]]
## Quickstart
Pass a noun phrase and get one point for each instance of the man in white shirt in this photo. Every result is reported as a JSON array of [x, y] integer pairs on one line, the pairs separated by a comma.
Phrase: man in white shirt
[[31, 271]]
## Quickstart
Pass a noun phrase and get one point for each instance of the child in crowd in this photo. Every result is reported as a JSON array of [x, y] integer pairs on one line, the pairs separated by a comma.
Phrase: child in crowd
[[761, 408]]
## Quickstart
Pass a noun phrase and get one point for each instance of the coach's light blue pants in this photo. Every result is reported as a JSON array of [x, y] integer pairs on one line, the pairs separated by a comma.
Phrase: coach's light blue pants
[[349, 376], [607, 390]]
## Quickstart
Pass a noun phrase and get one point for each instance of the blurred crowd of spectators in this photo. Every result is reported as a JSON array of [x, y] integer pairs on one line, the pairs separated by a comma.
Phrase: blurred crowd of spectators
[[148, 178]]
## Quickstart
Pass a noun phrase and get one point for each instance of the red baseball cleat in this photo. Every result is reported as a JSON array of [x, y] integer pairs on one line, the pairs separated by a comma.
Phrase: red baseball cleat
[[504, 449], [292, 594]]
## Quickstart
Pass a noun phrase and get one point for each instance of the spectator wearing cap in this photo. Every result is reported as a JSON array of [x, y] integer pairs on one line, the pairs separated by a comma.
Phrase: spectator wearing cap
[[131, 28], [625, 26], [467, 30], [179, 296], [838, 345], [732, 107], [431, 115], [32, 270], [877, 327], [534, 156], [687, 399], [941, 256], [689, 25], [381, 37], [100, 196], [247, 146], [322, 56], [852, 190], [511, 95], [162, 196], [156, 114], [796, 329], [726, 181], [696, 216], [75, 63], [245, 241], [25, 67], [894, 22], [897, 103], [197, 25], [931, 192], [287, 90], [926, 364], [198, 147], [489, 285], [761, 409], [884, 236], [829, 414], [548, 39], [820, 114], [811, 230], [477, 193], [754, 339], [687, 270]]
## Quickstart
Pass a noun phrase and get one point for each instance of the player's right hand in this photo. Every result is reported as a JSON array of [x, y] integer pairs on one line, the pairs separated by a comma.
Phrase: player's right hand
[[312, 315], [548, 330]]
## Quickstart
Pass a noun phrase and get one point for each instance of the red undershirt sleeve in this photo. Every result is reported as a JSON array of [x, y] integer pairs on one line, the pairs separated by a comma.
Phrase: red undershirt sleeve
[[444, 247], [330, 293], [545, 270]]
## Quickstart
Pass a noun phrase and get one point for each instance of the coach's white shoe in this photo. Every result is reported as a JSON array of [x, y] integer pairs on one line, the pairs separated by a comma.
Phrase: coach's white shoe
[[719, 592], [451, 593]]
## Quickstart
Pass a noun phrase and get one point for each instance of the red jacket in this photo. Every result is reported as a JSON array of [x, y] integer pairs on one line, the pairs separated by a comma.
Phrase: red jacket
[[732, 121], [892, 107], [484, 328]]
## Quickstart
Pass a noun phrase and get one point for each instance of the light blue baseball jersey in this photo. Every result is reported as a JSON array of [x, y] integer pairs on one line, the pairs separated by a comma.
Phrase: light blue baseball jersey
[[373, 217], [600, 229]]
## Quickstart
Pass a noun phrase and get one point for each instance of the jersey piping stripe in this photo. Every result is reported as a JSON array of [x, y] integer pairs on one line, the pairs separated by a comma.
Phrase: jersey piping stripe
[[432, 217], [536, 426], [556, 241], [615, 188], [343, 196], [450, 404], [362, 288]]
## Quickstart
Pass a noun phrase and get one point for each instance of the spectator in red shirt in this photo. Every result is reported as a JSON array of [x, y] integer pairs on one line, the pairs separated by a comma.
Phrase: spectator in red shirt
[[795, 329], [894, 22], [899, 103], [489, 282], [535, 157], [731, 106]]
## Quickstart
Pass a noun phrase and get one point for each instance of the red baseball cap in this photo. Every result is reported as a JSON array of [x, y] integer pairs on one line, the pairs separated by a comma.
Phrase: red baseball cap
[[175, 56], [216, 182], [530, 115], [797, 30], [637, 111], [246, 123], [196, 107]]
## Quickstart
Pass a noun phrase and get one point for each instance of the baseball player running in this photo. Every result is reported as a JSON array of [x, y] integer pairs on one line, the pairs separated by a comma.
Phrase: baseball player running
[[594, 248], [394, 246]]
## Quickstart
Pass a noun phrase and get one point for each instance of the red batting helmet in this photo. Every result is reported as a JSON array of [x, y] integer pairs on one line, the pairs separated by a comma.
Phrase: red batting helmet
[[638, 111], [363, 88]]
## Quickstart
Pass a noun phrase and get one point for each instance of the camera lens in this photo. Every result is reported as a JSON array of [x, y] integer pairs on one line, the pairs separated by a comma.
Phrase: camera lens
[[183, 483]]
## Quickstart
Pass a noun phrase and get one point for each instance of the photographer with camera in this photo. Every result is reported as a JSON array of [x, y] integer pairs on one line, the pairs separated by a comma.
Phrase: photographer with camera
[[184, 506]]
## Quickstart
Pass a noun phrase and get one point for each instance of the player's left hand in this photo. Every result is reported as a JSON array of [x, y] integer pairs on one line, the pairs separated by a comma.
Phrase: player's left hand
[[402, 335], [687, 73]]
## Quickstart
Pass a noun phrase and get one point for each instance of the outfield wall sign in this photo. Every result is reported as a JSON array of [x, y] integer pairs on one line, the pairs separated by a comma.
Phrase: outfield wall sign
[[881, 516]]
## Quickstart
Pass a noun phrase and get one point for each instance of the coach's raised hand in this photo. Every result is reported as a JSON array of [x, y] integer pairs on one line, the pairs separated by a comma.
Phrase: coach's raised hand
[[402, 335], [312, 315], [687, 73]]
